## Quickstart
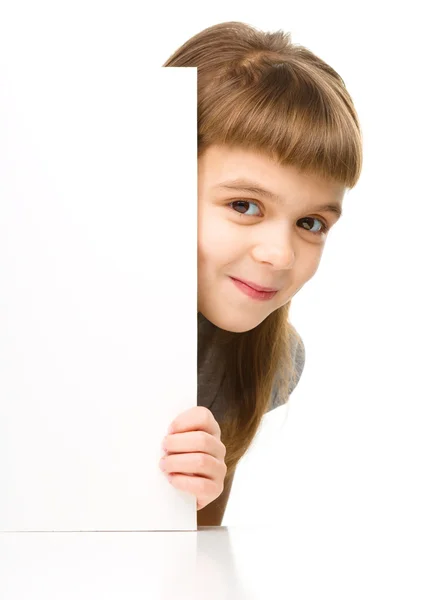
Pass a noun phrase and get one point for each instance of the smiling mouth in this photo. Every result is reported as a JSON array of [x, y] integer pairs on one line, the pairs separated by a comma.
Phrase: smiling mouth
[[258, 288], [251, 292]]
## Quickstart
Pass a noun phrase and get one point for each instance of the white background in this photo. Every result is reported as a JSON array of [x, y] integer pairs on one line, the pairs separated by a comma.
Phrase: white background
[[348, 466]]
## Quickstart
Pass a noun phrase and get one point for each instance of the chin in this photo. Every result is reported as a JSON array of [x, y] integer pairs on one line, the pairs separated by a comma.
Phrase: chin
[[239, 324]]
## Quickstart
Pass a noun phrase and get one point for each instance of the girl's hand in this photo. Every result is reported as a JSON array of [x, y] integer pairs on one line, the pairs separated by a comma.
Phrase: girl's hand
[[194, 459]]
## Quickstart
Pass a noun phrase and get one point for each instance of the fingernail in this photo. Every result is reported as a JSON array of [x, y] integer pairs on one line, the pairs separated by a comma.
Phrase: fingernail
[[170, 429]]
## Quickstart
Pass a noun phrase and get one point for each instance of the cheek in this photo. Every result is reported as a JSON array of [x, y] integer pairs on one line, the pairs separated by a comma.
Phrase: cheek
[[309, 267], [213, 252], [215, 243]]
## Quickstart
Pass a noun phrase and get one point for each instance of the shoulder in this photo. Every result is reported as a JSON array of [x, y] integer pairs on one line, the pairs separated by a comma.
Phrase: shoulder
[[298, 354]]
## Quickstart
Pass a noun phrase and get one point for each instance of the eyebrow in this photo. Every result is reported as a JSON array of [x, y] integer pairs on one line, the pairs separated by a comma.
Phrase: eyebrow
[[252, 187]]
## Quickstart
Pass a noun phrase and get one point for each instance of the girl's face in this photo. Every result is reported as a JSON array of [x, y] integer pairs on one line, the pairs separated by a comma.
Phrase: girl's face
[[274, 242]]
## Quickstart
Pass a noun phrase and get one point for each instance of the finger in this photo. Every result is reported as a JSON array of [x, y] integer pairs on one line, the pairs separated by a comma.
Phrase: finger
[[204, 489], [197, 418], [196, 463], [194, 441]]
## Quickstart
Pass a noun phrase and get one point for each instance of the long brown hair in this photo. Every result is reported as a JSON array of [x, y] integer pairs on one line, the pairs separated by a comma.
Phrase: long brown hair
[[260, 91]]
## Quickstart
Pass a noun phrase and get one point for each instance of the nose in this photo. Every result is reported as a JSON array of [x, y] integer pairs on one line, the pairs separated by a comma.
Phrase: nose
[[278, 251]]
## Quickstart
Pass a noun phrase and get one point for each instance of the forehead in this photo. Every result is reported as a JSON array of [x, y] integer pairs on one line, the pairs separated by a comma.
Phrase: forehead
[[223, 168]]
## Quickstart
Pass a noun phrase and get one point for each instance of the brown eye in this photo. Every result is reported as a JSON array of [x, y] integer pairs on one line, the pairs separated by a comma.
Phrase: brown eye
[[242, 206], [324, 229]]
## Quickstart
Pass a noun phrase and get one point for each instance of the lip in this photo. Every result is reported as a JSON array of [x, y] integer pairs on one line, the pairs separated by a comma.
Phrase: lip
[[258, 288], [251, 292]]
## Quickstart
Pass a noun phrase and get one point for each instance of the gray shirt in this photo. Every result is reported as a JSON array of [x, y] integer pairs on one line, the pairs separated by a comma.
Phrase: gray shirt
[[210, 372]]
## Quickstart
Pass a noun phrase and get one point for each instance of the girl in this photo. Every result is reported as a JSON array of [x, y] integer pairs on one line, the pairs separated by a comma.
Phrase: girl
[[279, 143]]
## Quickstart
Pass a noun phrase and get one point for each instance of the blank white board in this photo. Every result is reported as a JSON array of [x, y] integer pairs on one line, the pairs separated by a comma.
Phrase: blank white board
[[98, 278]]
